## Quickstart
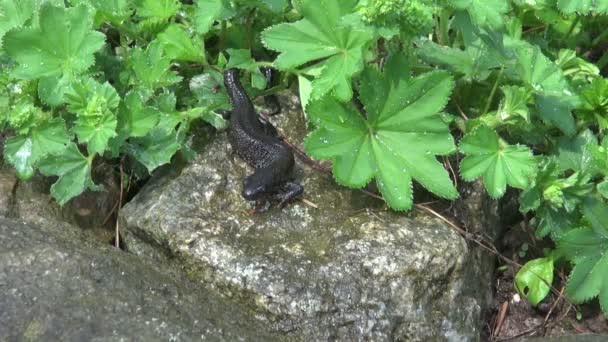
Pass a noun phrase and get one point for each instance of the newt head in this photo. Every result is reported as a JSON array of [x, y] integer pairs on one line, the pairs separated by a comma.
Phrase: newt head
[[258, 184]]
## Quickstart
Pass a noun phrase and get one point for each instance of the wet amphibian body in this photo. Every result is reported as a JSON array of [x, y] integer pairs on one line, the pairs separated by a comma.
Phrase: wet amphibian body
[[258, 143]]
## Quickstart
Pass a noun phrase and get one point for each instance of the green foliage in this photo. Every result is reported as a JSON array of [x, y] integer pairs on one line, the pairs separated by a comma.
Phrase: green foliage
[[25, 151], [499, 163], [387, 85], [583, 6], [400, 111], [321, 37], [483, 12], [586, 249], [414, 17], [74, 171], [534, 279], [55, 53]]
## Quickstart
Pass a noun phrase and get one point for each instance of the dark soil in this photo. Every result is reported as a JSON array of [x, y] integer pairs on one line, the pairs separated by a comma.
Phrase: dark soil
[[512, 318]]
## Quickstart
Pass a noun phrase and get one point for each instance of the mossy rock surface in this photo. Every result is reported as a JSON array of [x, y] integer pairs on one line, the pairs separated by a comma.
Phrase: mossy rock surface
[[349, 269], [60, 285]]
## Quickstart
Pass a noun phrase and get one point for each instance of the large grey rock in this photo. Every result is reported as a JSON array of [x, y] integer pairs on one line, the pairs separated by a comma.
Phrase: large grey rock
[[8, 185], [348, 270], [30, 201], [56, 286]]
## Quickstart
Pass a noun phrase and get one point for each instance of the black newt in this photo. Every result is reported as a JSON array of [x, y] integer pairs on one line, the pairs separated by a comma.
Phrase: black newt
[[259, 144]]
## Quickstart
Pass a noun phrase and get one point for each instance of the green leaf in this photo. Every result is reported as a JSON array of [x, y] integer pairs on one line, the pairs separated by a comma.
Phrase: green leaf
[[602, 188], [23, 116], [320, 37], [276, 6], [576, 67], [535, 69], [499, 164], [583, 7], [533, 280], [557, 111], [473, 62], [595, 100], [96, 131], [555, 221], [241, 59], [483, 12], [74, 171], [95, 105], [548, 173], [113, 11], [88, 97], [587, 250], [214, 119], [155, 149], [178, 45], [169, 117], [158, 9], [24, 152], [575, 153], [400, 112], [305, 88], [14, 13], [514, 104], [62, 47], [208, 11], [18, 152], [152, 67], [207, 88], [596, 212], [135, 119], [51, 89]]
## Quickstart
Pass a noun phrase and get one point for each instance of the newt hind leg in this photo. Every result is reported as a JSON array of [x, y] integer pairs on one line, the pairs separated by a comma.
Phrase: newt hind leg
[[288, 191]]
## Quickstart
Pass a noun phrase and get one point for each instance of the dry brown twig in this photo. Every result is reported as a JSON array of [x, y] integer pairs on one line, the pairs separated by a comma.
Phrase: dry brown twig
[[501, 319]]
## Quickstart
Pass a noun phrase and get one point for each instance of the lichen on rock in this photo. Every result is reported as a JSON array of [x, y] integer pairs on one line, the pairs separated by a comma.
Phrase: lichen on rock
[[348, 269]]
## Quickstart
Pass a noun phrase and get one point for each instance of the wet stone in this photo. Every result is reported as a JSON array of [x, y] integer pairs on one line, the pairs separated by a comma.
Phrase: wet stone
[[56, 285], [342, 268]]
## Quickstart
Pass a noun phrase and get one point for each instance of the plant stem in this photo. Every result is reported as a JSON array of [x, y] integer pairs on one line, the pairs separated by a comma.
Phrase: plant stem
[[600, 38], [572, 26], [493, 92], [222, 36], [262, 64], [603, 62], [444, 27]]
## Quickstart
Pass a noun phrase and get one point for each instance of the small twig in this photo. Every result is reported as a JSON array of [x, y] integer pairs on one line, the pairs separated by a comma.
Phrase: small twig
[[446, 161], [309, 203], [314, 163], [105, 220], [483, 242], [462, 114], [540, 27], [501, 318], [554, 305], [535, 329], [376, 216]]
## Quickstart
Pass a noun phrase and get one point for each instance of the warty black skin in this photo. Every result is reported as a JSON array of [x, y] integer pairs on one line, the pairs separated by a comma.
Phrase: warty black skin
[[259, 145]]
